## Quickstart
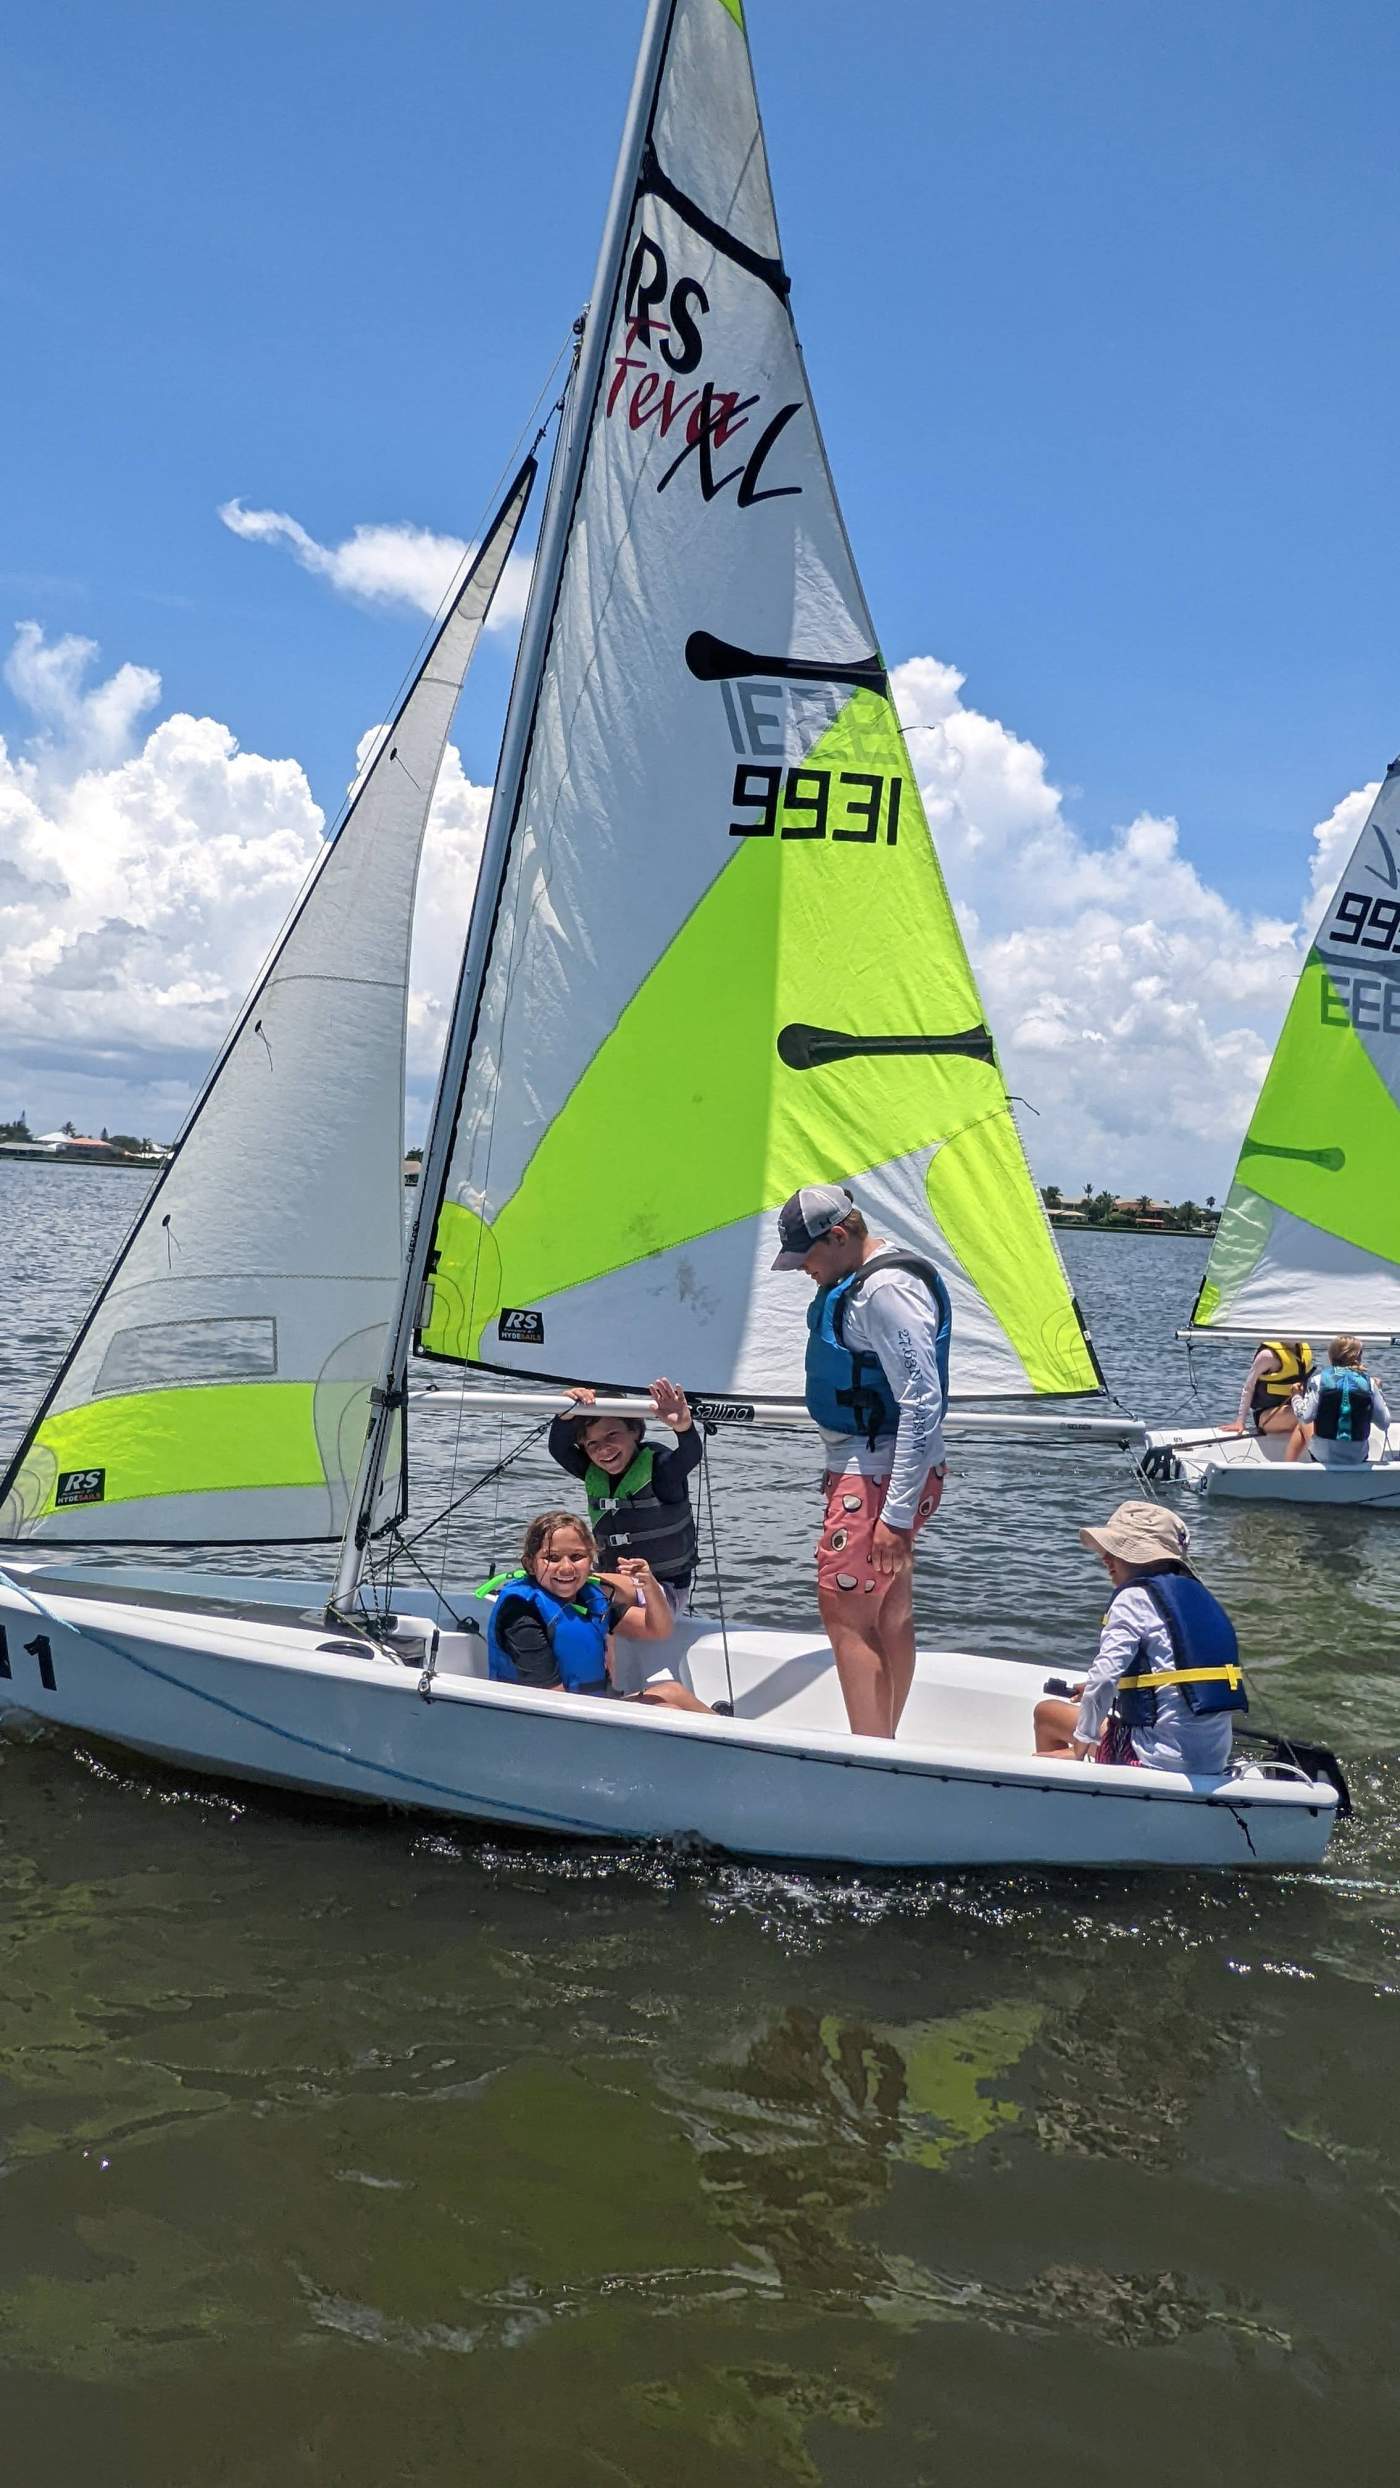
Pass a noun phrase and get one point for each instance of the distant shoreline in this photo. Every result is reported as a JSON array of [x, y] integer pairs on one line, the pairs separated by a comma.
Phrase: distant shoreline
[[1125, 1226], [103, 1166]]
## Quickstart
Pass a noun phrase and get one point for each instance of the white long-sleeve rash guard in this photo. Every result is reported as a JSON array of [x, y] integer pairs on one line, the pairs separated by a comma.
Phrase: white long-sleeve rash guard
[[894, 1317]]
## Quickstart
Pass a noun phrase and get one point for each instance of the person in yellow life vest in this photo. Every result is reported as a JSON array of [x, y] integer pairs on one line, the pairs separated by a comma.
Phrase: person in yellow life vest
[[1281, 1367]]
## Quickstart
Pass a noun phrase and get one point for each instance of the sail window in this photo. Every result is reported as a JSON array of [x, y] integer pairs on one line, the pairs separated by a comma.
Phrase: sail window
[[159, 1354]]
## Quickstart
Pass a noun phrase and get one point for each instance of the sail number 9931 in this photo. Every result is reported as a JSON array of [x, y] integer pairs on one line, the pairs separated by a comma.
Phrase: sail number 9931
[[845, 804]]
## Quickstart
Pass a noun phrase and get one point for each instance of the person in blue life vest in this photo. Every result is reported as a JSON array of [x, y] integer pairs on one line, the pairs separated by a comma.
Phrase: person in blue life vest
[[876, 1385], [553, 1623], [638, 1495], [1166, 1679], [1280, 1367], [1336, 1410]]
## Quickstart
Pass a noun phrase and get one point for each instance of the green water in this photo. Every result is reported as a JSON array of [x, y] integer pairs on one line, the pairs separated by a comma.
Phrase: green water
[[347, 2150]]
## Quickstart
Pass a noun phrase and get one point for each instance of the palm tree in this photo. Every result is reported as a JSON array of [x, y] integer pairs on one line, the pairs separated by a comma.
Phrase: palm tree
[[1144, 1205], [1050, 1195]]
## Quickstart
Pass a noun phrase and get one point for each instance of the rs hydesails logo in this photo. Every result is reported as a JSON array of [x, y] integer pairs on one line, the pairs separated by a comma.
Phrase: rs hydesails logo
[[80, 1486], [663, 345]]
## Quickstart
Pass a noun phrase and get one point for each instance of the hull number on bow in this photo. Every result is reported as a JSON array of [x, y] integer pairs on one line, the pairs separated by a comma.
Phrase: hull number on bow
[[849, 805], [39, 1649]]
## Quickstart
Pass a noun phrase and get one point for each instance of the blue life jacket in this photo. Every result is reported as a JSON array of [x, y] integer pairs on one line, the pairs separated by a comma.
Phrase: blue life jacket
[[848, 1391], [578, 1634], [1344, 1405], [1205, 1654]]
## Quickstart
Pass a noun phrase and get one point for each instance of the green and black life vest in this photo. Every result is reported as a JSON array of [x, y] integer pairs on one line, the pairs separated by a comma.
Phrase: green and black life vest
[[628, 1517]]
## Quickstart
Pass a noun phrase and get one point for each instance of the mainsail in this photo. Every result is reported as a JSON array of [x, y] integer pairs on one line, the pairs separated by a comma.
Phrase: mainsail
[[1309, 1241], [724, 962], [219, 1389]]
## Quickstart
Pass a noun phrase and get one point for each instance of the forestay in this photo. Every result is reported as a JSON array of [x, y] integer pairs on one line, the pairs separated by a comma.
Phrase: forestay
[[219, 1389], [724, 962], [1309, 1242]]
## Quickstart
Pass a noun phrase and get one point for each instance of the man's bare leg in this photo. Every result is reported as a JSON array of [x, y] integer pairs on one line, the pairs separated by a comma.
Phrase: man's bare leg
[[852, 1626], [895, 1633]]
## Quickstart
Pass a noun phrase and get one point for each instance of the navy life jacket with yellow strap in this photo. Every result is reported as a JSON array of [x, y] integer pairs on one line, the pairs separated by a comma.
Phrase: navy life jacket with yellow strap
[[1295, 1362], [848, 1390], [578, 1634], [1205, 1667], [628, 1517], [1345, 1405]]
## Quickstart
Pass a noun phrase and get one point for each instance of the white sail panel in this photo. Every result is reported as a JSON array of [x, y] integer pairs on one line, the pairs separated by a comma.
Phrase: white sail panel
[[724, 961], [1309, 1241], [220, 1387]]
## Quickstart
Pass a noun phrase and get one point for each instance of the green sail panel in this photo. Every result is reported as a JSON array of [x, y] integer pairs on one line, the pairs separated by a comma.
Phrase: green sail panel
[[219, 1390], [724, 963], [1309, 1241]]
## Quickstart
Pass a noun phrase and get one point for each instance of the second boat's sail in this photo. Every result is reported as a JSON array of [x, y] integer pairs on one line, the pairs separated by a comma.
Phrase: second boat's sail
[[1309, 1241], [724, 962], [219, 1388]]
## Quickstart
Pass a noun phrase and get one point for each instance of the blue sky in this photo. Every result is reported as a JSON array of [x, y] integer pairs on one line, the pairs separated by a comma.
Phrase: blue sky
[[1097, 303]]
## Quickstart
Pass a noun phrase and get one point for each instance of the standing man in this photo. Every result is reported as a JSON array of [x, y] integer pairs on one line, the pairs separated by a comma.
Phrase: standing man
[[877, 1385]]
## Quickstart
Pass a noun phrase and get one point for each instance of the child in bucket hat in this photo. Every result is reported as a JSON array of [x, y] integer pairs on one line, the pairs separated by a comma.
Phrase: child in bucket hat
[[1166, 1676]]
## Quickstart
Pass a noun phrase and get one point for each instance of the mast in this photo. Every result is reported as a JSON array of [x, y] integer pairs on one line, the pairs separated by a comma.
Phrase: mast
[[571, 449]]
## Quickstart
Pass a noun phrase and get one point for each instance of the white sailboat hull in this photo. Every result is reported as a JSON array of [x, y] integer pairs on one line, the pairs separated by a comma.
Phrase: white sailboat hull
[[1252, 1468], [234, 1677]]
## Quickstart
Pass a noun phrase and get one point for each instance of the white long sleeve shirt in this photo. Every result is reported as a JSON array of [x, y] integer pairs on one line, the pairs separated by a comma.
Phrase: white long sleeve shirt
[[895, 1318], [1177, 1739]]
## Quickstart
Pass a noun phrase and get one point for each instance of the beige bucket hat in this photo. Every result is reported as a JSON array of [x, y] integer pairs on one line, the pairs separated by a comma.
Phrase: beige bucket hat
[[1140, 1533]]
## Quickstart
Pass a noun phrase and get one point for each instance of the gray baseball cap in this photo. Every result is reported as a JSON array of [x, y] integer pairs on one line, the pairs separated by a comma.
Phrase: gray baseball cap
[[810, 1214]]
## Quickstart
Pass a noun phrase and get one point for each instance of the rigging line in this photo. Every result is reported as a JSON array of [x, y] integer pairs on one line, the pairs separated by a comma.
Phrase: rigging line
[[511, 872], [496, 1503], [545, 839], [714, 1561], [452, 1476], [475, 1488], [464, 1624]]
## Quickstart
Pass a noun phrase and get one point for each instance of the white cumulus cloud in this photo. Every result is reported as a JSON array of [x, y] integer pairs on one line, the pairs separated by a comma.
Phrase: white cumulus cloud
[[143, 879], [384, 564], [1332, 842], [1134, 1007]]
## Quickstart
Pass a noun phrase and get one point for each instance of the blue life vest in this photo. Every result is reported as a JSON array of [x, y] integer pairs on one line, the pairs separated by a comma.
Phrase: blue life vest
[[1344, 1405], [848, 1391], [578, 1634], [1205, 1653]]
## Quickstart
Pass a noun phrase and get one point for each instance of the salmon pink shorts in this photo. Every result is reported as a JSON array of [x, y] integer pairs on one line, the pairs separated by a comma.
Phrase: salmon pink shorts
[[845, 1554]]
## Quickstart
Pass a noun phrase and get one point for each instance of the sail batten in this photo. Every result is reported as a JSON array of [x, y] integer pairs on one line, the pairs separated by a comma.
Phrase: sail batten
[[1309, 1238], [724, 962], [219, 1389]]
